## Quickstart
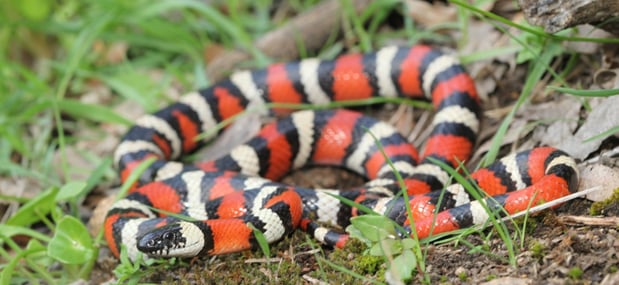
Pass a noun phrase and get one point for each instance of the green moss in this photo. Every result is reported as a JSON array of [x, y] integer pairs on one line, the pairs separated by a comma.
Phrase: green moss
[[367, 264], [575, 273], [597, 208], [537, 249], [353, 257]]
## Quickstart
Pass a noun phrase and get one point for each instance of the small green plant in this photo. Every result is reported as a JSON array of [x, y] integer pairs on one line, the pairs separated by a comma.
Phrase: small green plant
[[491, 277], [70, 249], [379, 233], [463, 276], [575, 273]]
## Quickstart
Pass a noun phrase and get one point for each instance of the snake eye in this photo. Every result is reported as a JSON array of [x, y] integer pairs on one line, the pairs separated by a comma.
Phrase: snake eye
[[169, 236]]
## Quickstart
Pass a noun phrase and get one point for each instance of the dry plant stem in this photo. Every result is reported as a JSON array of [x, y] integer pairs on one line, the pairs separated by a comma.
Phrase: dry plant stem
[[312, 280], [310, 29], [590, 221], [554, 203], [557, 15], [264, 260]]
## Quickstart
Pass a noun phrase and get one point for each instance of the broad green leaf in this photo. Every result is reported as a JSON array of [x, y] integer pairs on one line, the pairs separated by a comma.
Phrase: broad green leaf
[[403, 265], [37, 253], [374, 227], [586, 93], [35, 10], [92, 112], [31, 212], [71, 243], [35, 245], [10, 230], [409, 243], [70, 190], [386, 247]]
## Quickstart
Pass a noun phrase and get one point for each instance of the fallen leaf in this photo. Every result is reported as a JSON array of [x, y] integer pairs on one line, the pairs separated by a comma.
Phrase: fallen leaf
[[602, 118], [243, 129], [599, 175], [561, 117], [611, 279], [431, 14], [509, 281], [95, 224]]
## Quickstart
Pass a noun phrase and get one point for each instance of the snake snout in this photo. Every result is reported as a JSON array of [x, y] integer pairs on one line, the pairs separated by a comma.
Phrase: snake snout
[[174, 240], [160, 241]]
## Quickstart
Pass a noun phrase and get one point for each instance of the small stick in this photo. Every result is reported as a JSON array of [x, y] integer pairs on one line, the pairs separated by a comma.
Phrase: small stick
[[589, 221]]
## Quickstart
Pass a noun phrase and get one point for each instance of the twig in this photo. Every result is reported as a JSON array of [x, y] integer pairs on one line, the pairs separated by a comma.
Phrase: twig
[[313, 280], [263, 260], [589, 221], [553, 203]]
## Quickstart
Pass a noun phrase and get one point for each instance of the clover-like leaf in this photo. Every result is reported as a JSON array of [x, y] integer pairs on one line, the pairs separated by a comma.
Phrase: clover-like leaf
[[386, 247], [31, 212], [70, 190], [403, 265], [71, 243], [374, 227]]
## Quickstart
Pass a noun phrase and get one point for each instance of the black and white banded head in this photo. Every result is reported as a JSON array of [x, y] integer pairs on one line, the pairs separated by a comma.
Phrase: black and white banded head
[[180, 239]]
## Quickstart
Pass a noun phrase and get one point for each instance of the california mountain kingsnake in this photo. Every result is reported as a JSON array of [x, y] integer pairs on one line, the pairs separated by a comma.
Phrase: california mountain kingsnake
[[226, 194]]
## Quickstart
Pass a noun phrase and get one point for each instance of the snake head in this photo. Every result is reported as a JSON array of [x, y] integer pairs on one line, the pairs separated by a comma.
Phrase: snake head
[[180, 239]]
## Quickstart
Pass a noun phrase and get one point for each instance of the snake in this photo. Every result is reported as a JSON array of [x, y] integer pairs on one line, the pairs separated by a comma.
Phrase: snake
[[186, 209]]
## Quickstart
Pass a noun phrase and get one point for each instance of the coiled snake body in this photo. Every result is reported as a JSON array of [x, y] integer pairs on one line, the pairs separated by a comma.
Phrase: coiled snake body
[[224, 196]]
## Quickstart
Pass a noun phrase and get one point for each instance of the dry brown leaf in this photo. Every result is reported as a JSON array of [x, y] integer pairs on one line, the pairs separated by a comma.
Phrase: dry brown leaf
[[110, 53], [509, 281], [607, 78], [430, 14], [484, 37], [95, 224], [587, 47], [599, 175], [16, 187], [243, 129], [309, 29], [80, 168], [611, 279], [561, 117], [515, 132], [603, 117], [403, 119]]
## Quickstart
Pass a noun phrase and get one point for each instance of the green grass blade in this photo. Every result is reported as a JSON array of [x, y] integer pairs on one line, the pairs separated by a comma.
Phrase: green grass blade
[[585, 93], [96, 113], [536, 72]]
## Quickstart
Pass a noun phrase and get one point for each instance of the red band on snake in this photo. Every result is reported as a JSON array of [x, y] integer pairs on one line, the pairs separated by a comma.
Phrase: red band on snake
[[224, 196]]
